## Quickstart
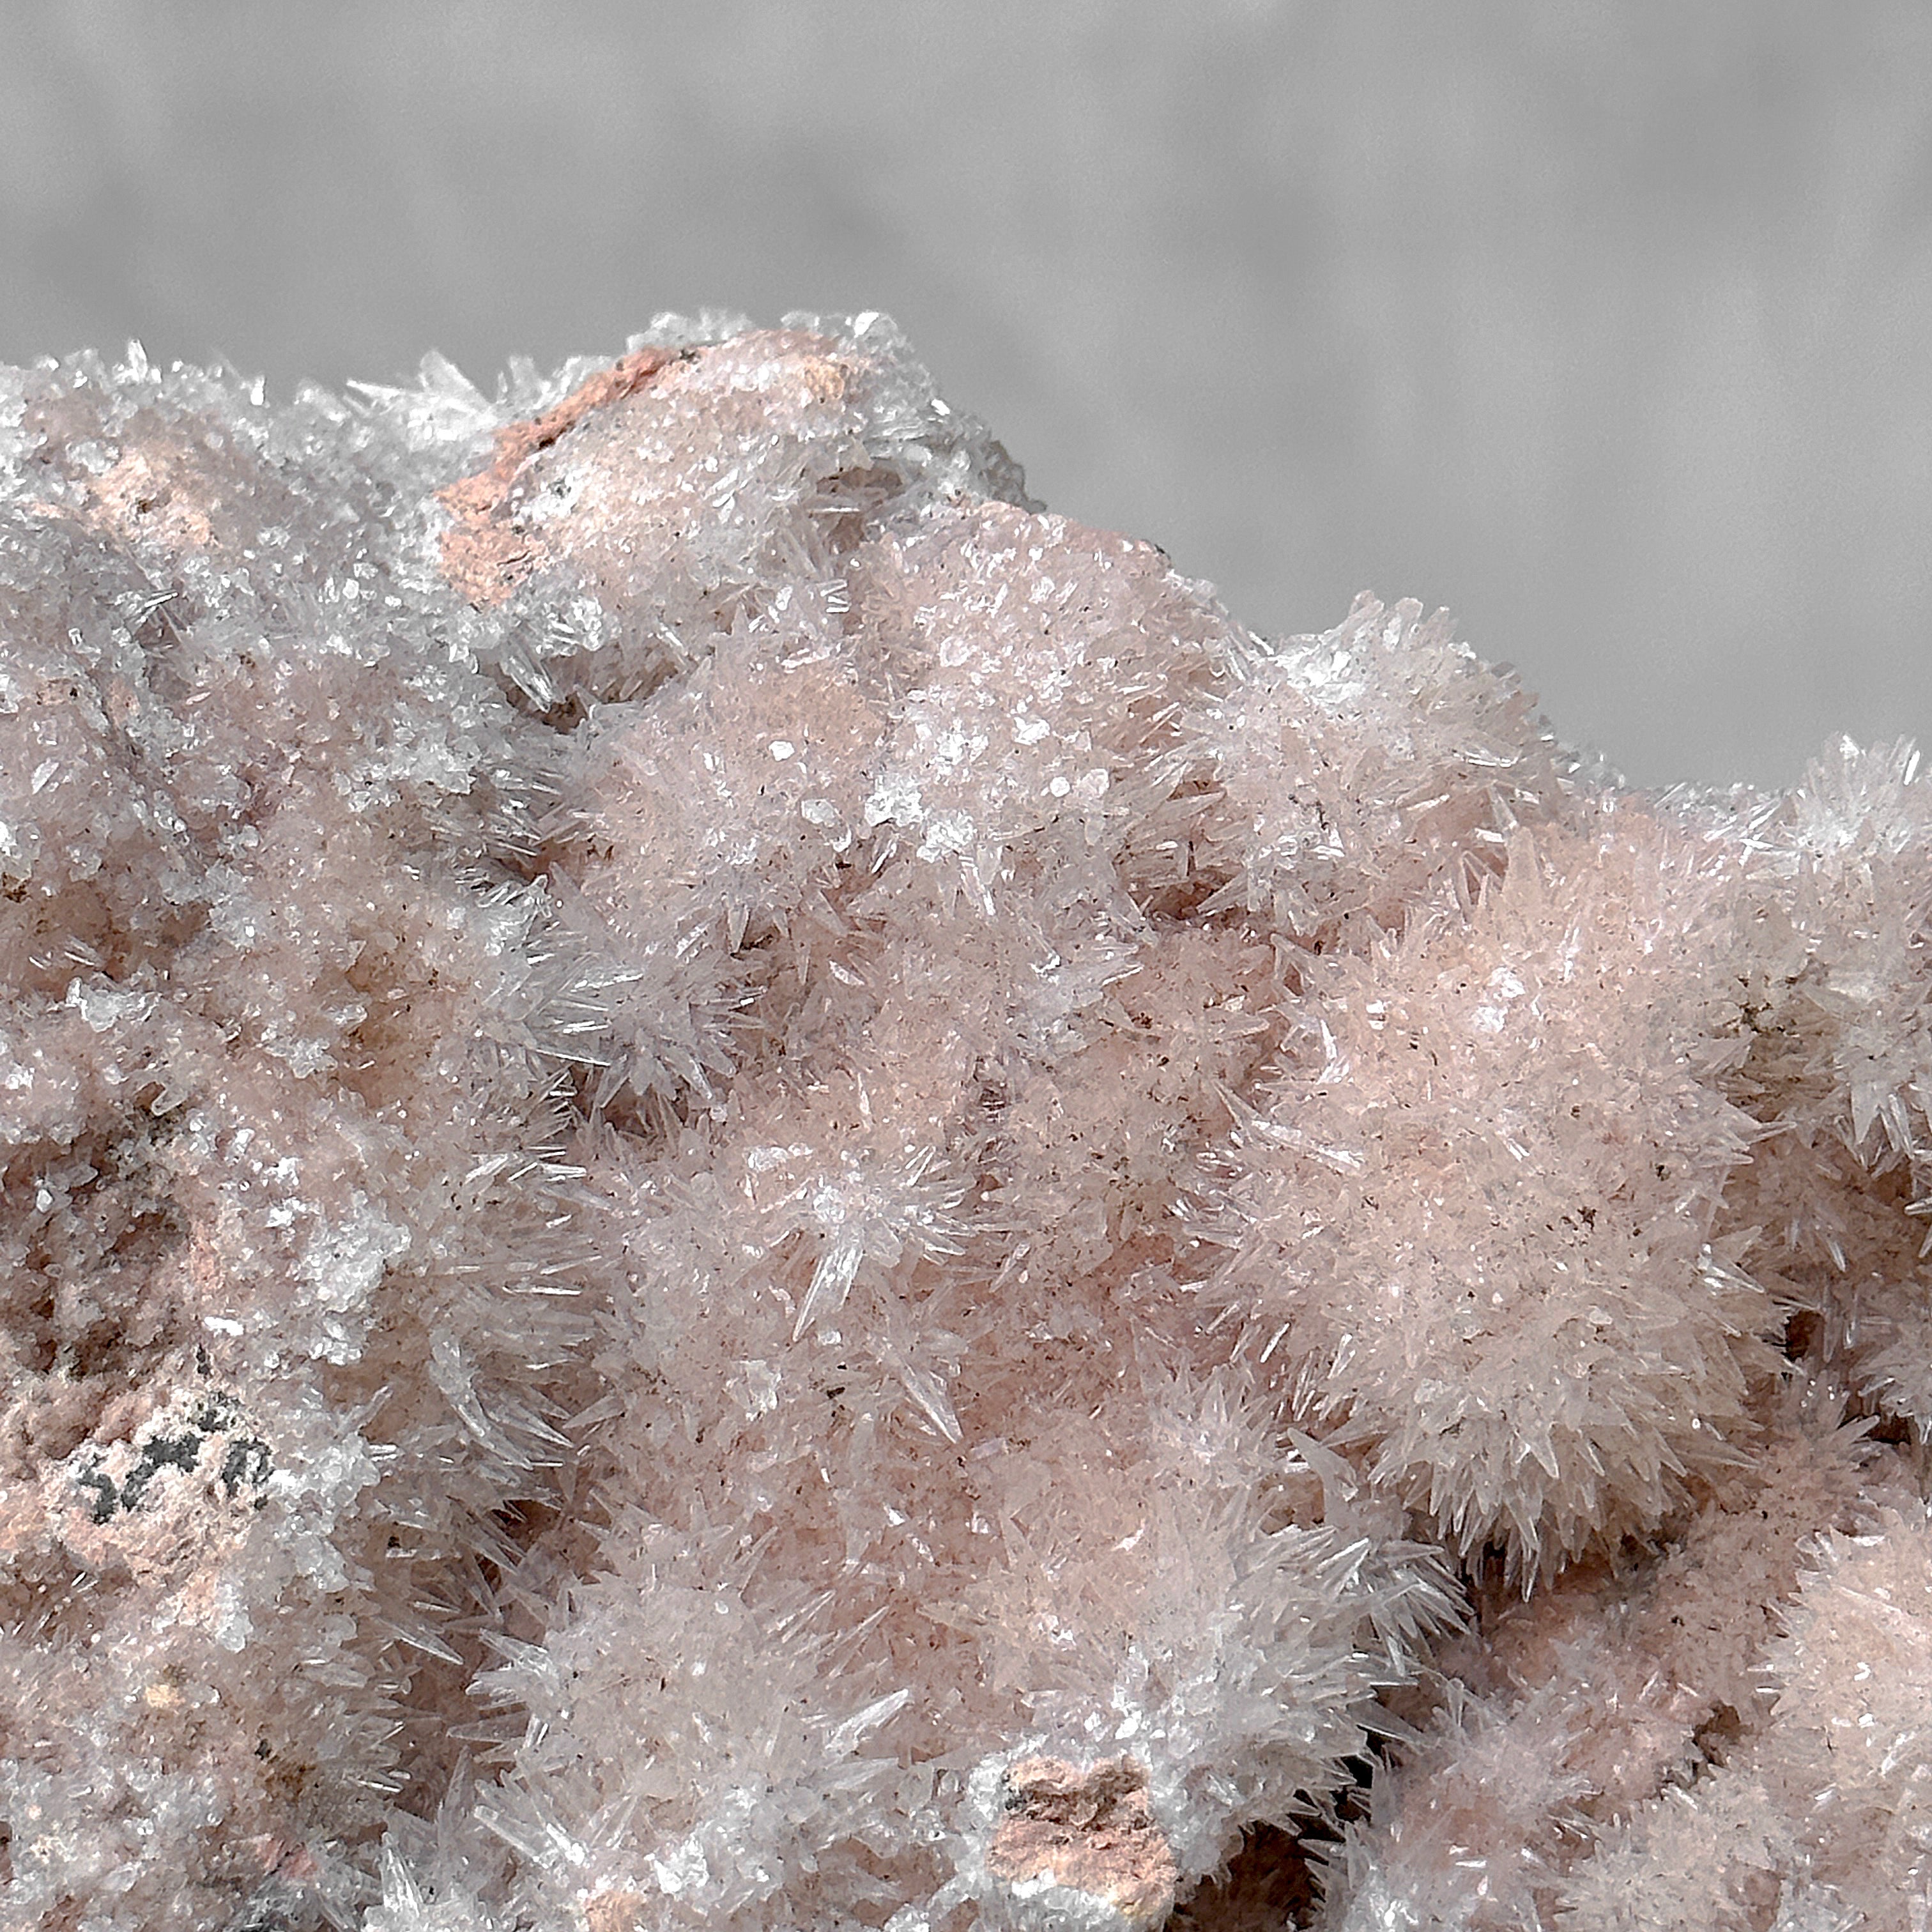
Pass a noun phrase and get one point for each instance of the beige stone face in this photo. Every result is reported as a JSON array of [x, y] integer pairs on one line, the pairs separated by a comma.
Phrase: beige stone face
[[1091, 1828]]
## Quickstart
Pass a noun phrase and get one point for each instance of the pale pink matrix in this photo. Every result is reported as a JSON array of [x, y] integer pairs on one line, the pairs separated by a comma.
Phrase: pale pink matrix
[[745, 1187]]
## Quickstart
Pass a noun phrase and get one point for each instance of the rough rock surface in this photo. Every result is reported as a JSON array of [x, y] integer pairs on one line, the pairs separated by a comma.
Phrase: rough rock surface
[[744, 1187]]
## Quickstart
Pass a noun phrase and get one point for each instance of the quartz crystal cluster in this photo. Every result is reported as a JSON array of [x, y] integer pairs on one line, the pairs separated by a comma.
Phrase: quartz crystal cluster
[[745, 1188]]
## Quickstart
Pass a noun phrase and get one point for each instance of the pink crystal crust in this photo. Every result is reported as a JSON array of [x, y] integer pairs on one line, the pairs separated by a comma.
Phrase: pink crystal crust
[[745, 1188]]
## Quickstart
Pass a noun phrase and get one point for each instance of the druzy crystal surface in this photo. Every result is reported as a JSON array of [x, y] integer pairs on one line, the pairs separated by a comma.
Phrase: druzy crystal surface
[[745, 1188]]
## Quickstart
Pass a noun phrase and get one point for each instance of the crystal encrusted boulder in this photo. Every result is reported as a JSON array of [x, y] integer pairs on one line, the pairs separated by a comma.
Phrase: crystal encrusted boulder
[[741, 1186]]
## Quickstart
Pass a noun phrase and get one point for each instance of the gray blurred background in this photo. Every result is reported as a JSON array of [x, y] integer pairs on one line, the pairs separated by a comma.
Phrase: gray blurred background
[[1604, 324]]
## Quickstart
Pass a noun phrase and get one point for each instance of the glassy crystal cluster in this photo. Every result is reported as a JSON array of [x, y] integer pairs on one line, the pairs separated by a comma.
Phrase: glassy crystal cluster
[[745, 1188]]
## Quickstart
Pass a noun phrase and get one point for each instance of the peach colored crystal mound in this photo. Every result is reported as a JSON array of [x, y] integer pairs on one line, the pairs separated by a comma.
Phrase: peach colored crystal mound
[[743, 1187]]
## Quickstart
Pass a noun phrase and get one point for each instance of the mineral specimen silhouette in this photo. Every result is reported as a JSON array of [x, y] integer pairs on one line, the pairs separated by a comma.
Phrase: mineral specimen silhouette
[[744, 1187]]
